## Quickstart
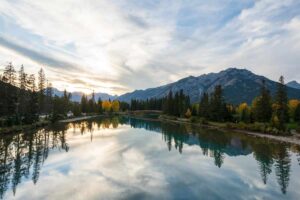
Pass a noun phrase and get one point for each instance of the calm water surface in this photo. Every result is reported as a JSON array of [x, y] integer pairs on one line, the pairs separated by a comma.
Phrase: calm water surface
[[125, 158]]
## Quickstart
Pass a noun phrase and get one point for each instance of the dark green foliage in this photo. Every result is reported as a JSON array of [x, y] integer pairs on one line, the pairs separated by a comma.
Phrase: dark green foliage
[[99, 106], [41, 90], [124, 106], [281, 101], [218, 108], [204, 106], [76, 109], [262, 110], [149, 104], [84, 104], [176, 104], [92, 107]]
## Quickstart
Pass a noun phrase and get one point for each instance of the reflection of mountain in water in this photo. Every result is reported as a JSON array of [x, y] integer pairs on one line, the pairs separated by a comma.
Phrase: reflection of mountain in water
[[22, 155]]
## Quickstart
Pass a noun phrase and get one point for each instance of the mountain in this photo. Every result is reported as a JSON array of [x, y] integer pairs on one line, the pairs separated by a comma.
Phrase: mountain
[[294, 84], [240, 85], [76, 96]]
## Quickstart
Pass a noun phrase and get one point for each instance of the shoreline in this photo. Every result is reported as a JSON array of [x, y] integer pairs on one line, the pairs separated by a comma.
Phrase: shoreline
[[293, 139], [78, 118], [286, 139]]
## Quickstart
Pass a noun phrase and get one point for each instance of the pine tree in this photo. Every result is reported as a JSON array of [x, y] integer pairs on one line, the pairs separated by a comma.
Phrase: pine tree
[[99, 105], [217, 105], [22, 97], [32, 109], [49, 95], [170, 103], [84, 104], [204, 106], [262, 109], [22, 79], [41, 88], [281, 104], [66, 102], [10, 93], [9, 74]]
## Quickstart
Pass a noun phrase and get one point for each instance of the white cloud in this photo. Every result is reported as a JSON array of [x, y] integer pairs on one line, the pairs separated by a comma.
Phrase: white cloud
[[144, 44]]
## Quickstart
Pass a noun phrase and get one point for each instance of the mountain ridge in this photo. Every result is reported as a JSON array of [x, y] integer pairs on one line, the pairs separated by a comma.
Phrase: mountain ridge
[[293, 84], [240, 85], [76, 96]]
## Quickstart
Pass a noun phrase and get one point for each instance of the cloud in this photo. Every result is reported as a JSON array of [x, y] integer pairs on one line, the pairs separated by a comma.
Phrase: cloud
[[37, 57], [139, 44]]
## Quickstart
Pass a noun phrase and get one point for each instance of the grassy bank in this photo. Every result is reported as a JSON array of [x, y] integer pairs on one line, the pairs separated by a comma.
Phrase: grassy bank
[[255, 129]]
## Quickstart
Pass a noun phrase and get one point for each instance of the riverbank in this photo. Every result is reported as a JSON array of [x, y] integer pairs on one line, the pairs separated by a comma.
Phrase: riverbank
[[78, 118], [294, 138], [12, 129]]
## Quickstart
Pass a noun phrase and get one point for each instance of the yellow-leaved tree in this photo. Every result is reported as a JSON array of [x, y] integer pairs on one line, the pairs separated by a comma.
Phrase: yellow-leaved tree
[[106, 106], [115, 106], [244, 112], [293, 104]]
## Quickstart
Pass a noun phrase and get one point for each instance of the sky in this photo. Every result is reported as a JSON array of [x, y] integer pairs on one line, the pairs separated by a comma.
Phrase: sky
[[116, 46]]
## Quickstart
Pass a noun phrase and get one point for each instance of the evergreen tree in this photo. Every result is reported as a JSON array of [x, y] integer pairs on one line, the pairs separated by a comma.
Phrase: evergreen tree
[[281, 110], [49, 95], [84, 104], [9, 74], [217, 105], [22, 97], [66, 102], [204, 106], [262, 109], [170, 103], [92, 104], [32, 112], [41, 89], [99, 106]]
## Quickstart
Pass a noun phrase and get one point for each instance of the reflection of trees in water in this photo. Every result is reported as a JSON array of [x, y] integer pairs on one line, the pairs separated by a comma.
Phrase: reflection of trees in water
[[217, 143], [22, 155], [282, 167], [264, 156]]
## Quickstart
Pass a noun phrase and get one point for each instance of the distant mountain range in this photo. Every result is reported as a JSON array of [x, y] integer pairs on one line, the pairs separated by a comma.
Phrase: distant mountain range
[[240, 85], [76, 96], [294, 84]]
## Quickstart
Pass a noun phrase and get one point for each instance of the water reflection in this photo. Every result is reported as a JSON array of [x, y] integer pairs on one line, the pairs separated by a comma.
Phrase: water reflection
[[22, 155]]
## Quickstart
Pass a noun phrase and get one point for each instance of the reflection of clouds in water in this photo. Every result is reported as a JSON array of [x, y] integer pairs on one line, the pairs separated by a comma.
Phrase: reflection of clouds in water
[[129, 163]]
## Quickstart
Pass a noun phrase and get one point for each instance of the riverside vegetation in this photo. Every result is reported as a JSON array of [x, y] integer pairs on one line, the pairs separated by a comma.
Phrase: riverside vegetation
[[25, 101]]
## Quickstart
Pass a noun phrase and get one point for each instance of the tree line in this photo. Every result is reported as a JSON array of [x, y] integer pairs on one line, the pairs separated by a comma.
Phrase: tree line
[[276, 111], [22, 96], [25, 99]]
